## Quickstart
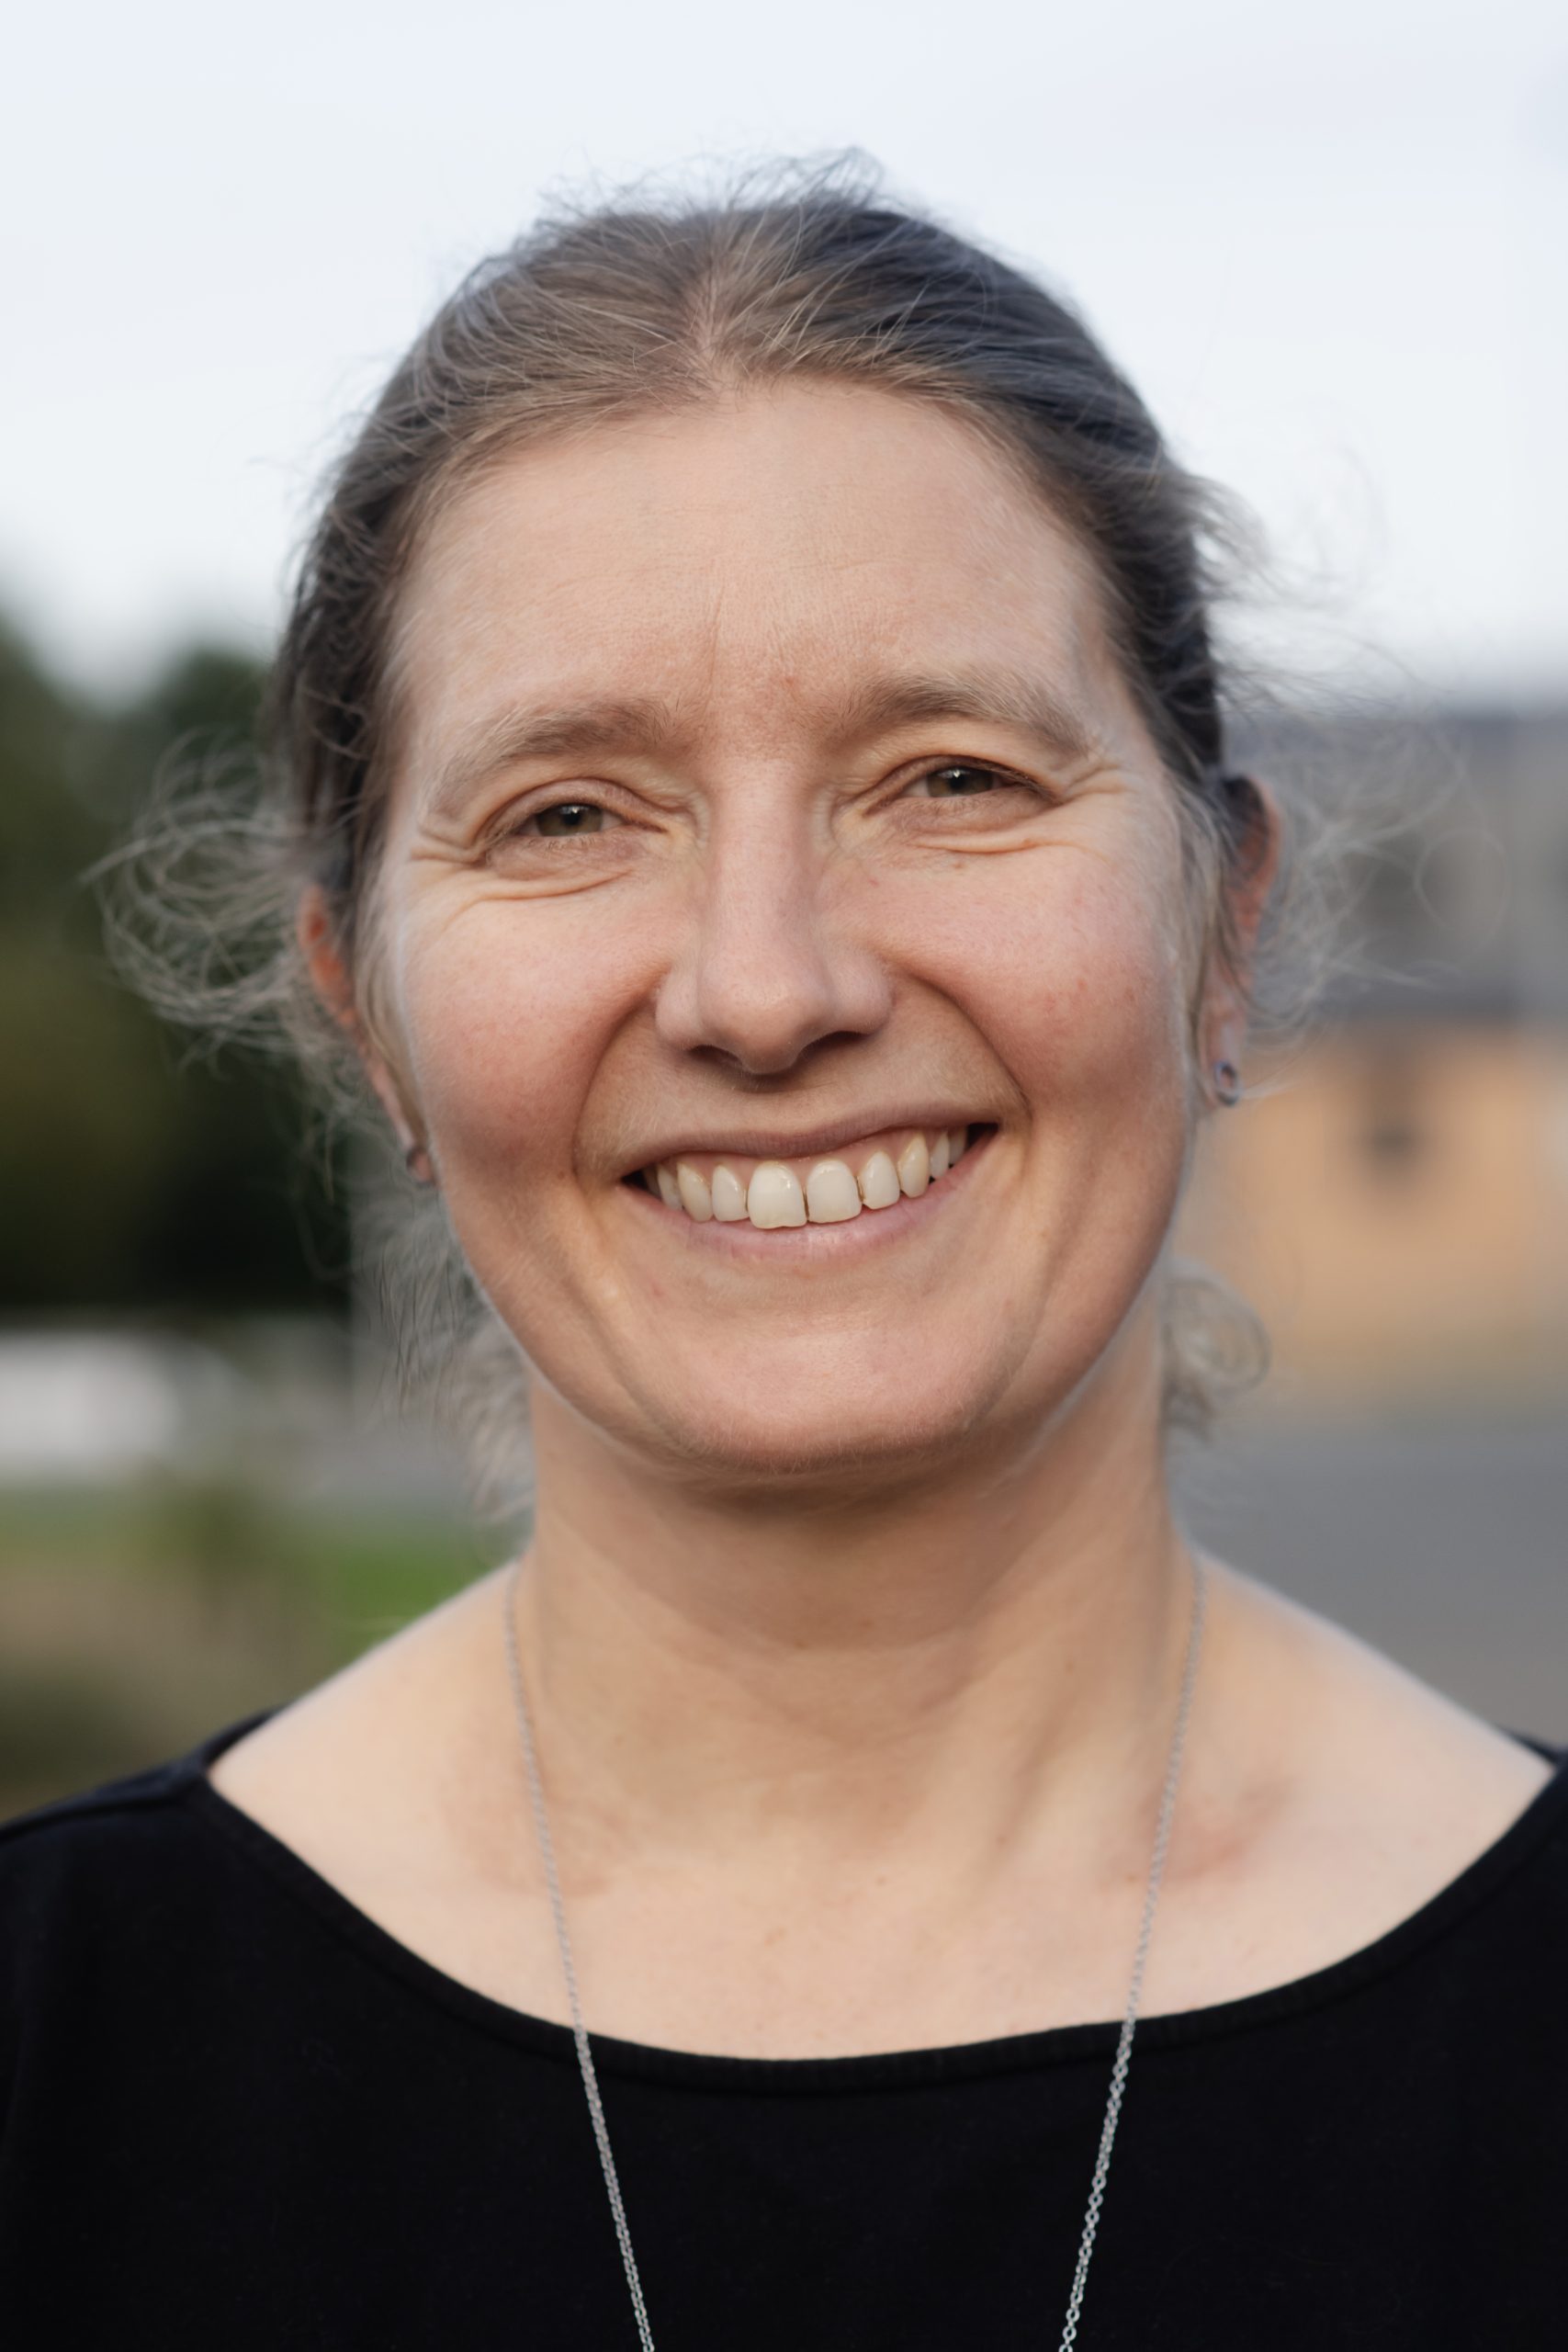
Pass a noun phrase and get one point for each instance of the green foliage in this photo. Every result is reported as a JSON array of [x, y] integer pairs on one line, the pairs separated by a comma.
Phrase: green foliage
[[135, 1618], [133, 1175]]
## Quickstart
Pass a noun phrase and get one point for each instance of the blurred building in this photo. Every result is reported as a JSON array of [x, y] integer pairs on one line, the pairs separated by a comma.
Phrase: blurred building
[[1395, 1200]]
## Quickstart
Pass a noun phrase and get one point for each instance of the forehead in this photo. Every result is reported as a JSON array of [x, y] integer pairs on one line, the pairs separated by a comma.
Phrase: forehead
[[749, 564]]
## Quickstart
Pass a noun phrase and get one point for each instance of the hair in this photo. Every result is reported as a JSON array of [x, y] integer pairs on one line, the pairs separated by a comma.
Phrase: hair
[[662, 304]]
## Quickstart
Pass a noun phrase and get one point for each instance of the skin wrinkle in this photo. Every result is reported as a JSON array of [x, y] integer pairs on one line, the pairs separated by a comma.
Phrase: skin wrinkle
[[530, 1036], [711, 661], [1003, 482], [856, 1563], [517, 737], [1012, 477]]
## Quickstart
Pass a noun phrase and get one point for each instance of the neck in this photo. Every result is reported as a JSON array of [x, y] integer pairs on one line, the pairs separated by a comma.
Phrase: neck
[[849, 1674]]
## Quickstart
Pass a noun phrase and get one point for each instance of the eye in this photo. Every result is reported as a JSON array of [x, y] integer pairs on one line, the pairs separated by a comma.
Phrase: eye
[[964, 780], [566, 820]]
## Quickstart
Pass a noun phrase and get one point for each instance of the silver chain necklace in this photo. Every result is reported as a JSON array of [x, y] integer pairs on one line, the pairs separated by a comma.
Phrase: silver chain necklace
[[1120, 2065]]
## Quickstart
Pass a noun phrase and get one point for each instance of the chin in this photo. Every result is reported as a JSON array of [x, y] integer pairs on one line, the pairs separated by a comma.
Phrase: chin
[[837, 1435]]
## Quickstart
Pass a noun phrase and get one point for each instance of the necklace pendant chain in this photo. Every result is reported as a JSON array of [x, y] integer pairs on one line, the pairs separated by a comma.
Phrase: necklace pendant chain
[[1120, 2064]]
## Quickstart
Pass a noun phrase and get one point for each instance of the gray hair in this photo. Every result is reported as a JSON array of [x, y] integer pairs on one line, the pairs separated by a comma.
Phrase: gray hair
[[662, 304]]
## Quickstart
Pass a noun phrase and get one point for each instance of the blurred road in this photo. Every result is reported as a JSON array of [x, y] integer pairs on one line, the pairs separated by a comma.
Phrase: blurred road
[[1445, 1545]]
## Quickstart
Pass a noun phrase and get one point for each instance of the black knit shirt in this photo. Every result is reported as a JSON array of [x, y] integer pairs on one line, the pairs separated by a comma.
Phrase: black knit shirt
[[235, 2113]]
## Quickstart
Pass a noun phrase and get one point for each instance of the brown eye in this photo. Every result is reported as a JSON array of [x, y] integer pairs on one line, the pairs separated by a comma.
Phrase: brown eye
[[958, 782], [567, 819]]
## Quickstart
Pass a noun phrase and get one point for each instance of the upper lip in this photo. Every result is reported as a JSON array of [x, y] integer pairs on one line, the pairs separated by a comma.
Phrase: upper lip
[[781, 1143]]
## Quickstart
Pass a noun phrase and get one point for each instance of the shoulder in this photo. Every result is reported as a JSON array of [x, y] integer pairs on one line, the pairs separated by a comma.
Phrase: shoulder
[[85, 1880], [50, 1843], [1332, 1722], [1336, 1802]]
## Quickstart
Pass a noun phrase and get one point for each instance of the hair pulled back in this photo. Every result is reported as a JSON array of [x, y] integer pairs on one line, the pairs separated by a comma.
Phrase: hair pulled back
[[656, 305]]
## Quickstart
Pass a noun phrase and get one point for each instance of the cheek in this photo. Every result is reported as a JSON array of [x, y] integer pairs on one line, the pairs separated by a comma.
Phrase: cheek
[[507, 1022], [1081, 997], [1076, 980]]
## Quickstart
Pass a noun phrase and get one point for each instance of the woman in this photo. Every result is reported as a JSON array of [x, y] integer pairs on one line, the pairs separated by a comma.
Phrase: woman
[[755, 774]]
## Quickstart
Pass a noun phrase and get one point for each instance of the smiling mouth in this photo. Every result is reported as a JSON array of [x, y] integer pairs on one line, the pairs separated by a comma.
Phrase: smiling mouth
[[874, 1173]]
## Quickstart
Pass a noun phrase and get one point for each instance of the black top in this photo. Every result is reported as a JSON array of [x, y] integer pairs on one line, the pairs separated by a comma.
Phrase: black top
[[235, 2113]]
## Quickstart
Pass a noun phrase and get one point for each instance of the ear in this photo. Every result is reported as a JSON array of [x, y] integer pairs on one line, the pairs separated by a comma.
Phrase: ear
[[333, 983], [1248, 881]]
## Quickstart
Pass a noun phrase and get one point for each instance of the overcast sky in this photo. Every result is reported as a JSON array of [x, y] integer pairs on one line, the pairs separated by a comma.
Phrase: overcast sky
[[1328, 244]]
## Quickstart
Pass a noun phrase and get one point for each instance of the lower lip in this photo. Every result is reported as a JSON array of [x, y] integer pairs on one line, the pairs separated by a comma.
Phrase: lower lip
[[814, 1244]]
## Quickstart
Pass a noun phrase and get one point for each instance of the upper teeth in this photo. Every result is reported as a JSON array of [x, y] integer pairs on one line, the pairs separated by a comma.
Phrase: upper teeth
[[773, 1193]]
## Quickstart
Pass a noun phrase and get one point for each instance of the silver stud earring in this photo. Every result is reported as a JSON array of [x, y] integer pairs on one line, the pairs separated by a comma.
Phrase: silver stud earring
[[1227, 1083]]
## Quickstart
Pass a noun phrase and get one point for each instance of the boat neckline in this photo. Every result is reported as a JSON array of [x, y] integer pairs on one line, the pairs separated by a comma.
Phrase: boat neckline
[[186, 1779]]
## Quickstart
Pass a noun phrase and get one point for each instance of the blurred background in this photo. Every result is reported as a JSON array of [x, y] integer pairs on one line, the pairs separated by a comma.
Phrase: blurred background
[[1331, 254]]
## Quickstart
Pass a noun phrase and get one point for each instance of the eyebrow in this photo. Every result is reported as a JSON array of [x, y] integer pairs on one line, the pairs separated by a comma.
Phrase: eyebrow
[[578, 730], [568, 731], [989, 697]]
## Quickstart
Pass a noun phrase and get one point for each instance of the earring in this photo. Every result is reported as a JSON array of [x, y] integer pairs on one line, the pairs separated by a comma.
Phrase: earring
[[1227, 1083], [417, 1160]]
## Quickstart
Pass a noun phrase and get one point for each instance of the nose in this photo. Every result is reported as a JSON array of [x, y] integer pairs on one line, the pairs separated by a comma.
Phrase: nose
[[770, 965]]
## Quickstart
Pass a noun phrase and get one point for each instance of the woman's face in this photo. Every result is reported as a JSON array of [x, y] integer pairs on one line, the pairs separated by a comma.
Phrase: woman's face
[[768, 799]]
